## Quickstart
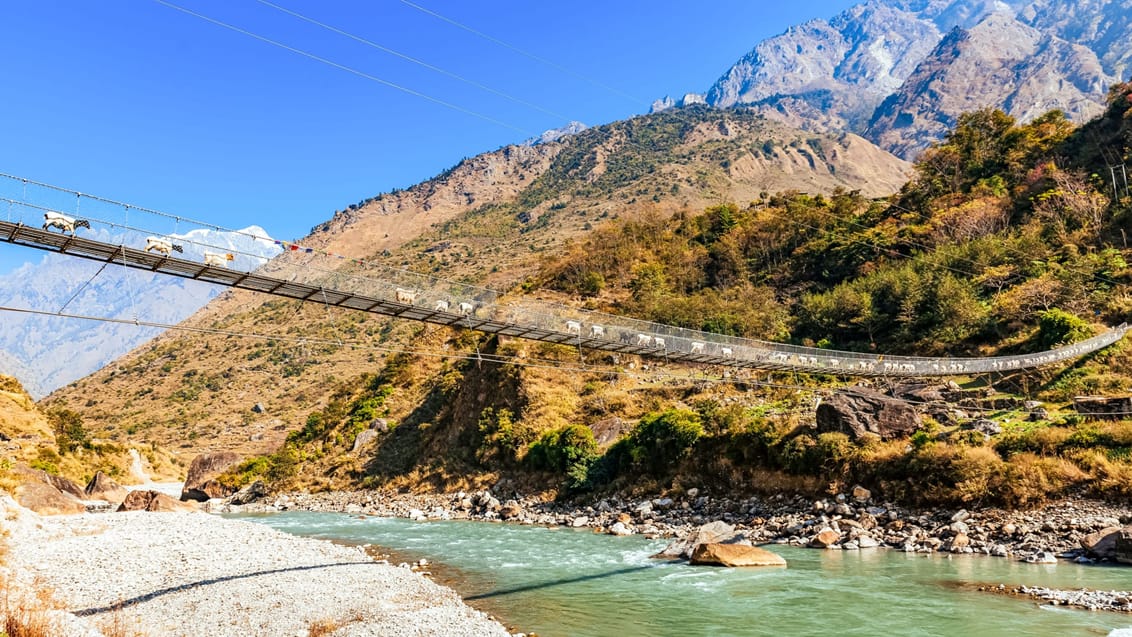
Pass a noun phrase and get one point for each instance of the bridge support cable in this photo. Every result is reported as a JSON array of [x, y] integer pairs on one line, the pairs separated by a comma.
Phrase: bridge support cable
[[469, 307]]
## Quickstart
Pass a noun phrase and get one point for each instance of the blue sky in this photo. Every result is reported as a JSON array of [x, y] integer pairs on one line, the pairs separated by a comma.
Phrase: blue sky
[[136, 101]]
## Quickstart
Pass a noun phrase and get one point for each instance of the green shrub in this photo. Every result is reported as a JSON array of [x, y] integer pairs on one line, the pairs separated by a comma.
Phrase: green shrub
[[662, 439], [1058, 327], [561, 450]]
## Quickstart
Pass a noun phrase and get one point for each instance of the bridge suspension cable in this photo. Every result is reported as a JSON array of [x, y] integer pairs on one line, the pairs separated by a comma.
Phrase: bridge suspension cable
[[343, 67], [452, 305]]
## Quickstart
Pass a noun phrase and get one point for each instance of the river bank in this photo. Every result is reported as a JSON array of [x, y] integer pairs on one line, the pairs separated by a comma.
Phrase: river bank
[[196, 574], [849, 521]]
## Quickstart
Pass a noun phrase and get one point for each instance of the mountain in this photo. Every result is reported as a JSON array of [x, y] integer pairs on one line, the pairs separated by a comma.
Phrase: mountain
[[999, 61], [899, 72], [45, 353], [555, 134], [490, 220]]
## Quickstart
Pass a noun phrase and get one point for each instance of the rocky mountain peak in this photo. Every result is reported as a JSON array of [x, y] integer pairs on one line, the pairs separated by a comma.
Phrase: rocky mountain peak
[[555, 134], [882, 68], [1000, 62]]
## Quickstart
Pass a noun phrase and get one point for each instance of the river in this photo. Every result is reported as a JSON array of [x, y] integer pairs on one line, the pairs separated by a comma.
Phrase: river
[[565, 582]]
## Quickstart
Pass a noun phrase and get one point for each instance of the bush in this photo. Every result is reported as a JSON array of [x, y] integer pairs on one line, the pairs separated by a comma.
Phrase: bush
[[563, 450], [1058, 327], [661, 440], [1043, 441]]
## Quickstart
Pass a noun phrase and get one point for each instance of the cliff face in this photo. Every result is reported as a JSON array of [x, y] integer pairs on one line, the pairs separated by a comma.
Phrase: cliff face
[[899, 72]]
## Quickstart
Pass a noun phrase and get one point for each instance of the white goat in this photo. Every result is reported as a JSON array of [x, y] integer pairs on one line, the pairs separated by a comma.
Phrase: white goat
[[164, 246], [466, 308], [726, 352], [643, 340], [408, 297], [658, 343], [441, 306], [597, 331], [573, 327], [218, 259], [697, 347], [63, 222]]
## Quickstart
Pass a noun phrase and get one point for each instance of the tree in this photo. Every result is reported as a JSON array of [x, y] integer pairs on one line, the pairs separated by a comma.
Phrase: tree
[[70, 434]]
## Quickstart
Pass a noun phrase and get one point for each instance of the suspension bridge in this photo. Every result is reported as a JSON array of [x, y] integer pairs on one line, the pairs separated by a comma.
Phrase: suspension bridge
[[316, 276]]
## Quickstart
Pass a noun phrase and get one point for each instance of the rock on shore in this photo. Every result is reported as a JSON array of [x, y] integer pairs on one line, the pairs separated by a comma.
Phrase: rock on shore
[[196, 574]]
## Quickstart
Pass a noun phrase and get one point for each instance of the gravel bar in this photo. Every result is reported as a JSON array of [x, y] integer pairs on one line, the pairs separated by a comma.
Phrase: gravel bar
[[197, 574]]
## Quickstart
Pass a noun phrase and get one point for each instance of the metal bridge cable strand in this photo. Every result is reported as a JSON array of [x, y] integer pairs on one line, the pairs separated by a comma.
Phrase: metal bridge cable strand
[[503, 360], [375, 45], [434, 280], [82, 287], [527, 54], [343, 67]]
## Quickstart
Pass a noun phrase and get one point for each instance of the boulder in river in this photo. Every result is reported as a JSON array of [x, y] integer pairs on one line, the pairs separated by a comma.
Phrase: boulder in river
[[1101, 545], [717, 532], [102, 487], [249, 493], [713, 554], [863, 413], [1122, 552], [201, 484]]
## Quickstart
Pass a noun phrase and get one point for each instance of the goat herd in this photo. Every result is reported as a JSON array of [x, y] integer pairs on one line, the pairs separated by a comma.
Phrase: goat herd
[[166, 247], [152, 244]]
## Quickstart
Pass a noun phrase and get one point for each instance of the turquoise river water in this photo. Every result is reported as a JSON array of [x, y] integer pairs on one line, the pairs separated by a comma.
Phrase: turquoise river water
[[564, 582]]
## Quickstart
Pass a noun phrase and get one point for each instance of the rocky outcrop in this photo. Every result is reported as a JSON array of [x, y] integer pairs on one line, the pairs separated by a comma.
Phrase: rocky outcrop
[[45, 499], [249, 493], [364, 438], [861, 413], [709, 554], [1122, 547], [153, 501], [201, 484], [102, 487], [1102, 544], [1103, 407]]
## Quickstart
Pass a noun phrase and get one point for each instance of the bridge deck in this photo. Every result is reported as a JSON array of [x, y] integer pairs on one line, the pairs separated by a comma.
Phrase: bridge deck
[[489, 319]]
